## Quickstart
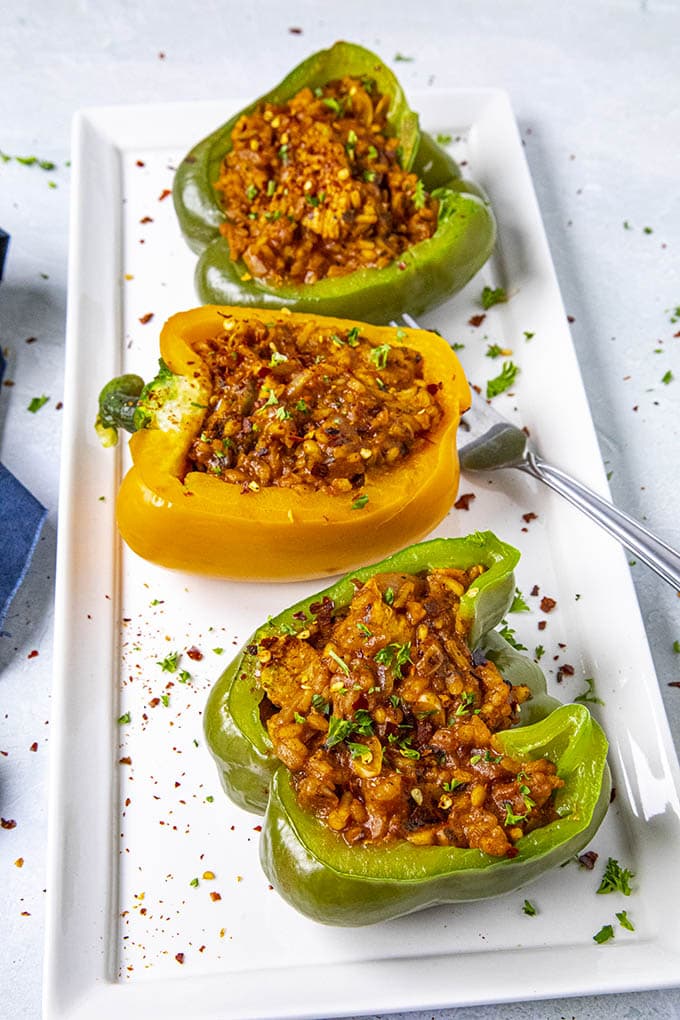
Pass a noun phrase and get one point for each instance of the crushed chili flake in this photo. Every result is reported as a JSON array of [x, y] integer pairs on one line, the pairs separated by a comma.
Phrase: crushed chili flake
[[542, 624], [588, 859], [476, 320], [528, 518], [674, 683], [548, 604], [215, 896], [164, 194], [195, 653], [140, 162], [146, 318], [179, 957], [19, 863], [8, 823], [33, 654], [257, 828], [146, 219], [127, 760], [463, 502], [30, 339], [34, 746]]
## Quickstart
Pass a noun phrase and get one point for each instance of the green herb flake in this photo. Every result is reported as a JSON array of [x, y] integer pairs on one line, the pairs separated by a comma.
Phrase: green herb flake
[[340, 662], [360, 502], [165, 698], [510, 817], [508, 634], [528, 336], [277, 359], [379, 355], [605, 933], [624, 920], [676, 647], [351, 139], [529, 909], [218, 651], [668, 377], [360, 751], [539, 652], [251, 192], [169, 663], [493, 296], [389, 596], [363, 629], [443, 139], [353, 336], [36, 403], [419, 195], [271, 188], [589, 694], [518, 603], [338, 730], [209, 798], [301, 406], [333, 105], [320, 704], [409, 752], [194, 883], [401, 58], [503, 381], [123, 719], [372, 152], [299, 718], [615, 878]]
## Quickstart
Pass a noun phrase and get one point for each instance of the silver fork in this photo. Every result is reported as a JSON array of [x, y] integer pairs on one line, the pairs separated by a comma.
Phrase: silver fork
[[490, 443]]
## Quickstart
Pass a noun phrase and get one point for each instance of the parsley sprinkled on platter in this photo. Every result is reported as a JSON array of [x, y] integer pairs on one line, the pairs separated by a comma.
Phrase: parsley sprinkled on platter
[[624, 920], [340, 662], [539, 652], [36, 403], [443, 139], [419, 195], [529, 908], [169, 663], [123, 719], [615, 878], [360, 502], [493, 296], [589, 694], [668, 377], [503, 381], [518, 603], [508, 634], [605, 933]]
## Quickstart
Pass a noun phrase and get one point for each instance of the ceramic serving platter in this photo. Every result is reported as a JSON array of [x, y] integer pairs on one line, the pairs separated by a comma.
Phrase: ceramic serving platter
[[157, 904]]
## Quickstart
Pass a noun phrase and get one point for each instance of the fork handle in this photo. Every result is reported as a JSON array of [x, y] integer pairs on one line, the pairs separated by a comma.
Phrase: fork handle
[[630, 533]]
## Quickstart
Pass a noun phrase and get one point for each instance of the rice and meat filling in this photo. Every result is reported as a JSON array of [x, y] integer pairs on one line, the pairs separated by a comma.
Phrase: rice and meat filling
[[386, 721], [297, 405], [313, 188]]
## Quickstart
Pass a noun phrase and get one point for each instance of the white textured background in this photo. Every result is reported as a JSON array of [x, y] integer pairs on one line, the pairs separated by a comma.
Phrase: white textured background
[[595, 85]]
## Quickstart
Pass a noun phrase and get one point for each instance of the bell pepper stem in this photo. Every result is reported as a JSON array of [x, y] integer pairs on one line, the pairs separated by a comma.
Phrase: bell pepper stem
[[117, 405]]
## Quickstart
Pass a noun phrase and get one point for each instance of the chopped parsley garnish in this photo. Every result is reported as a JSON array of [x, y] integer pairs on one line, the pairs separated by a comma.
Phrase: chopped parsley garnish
[[363, 629], [419, 195], [353, 336], [320, 704], [467, 700], [494, 351], [408, 752], [508, 634], [605, 933], [668, 377], [351, 139], [615, 878], [401, 58], [518, 603], [510, 817], [676, 647], [169, 663], [123, 719], [539, 652], [333, 105], [36, 403], [301, 406], [360, 502], [503, 381], [529, 908], [340, 662], [338, 730], [493, 296], [589, 694], [624, 920], [271, 188], [283, 154], [360, 751], [379, 356], [394, 656], [194, 883], [453, 785], [362, 722], [184, 676], [443, 139], [251, 192], [277, 359], [389, 596], [299, 718], [165, 698]]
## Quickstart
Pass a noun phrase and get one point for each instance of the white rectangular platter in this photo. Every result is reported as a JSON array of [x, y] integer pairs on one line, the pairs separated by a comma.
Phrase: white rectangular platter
[[136, 926]]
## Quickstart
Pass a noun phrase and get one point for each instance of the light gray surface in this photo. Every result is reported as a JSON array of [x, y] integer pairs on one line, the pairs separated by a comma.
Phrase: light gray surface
[[596, 91]]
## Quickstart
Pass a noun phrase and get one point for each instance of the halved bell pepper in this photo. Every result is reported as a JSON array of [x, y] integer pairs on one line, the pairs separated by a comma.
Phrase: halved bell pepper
[[425, 275], [310, 865], [194, 521]]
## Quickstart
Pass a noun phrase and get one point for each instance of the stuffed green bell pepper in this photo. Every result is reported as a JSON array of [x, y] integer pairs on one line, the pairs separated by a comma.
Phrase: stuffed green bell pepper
[[324, 196], [403, 753]]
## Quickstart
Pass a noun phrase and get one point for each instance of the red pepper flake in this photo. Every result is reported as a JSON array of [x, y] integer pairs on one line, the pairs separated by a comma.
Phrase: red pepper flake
[[542, 624], [463, 502], [140, 162], [30, 339], [674, 683], [547, 604], [195, 653], [164, 194], [146, 318], [476, 320], [401, 265], [257, 828], [215, 896], [58, 406], [535, 590], [528, 518], [25, 913], [8, 382], [125, 761], [146, 219], [19, 863], [588, 859], [179, 957], [477, 389], [33, 654], [8, 823], [570, 318], [161, 56], [154, 703], [34, 746]]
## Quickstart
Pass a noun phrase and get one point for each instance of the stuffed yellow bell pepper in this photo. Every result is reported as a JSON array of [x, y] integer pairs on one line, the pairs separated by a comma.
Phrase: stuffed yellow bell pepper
[[280, 446]]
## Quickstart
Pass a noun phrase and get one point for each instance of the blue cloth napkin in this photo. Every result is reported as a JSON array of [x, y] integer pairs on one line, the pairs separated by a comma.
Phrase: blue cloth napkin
[[21, 521]]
